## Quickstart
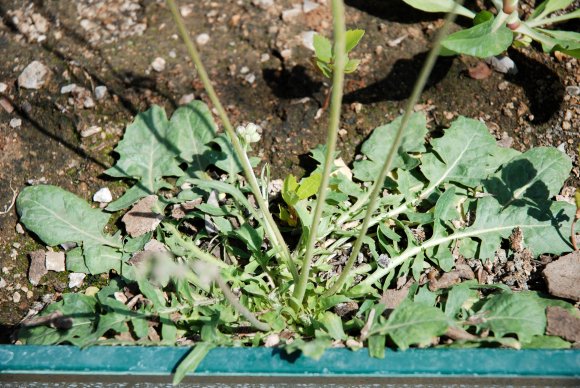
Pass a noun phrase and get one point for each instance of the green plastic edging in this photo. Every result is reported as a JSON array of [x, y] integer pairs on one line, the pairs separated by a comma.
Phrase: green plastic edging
[[16, 359]]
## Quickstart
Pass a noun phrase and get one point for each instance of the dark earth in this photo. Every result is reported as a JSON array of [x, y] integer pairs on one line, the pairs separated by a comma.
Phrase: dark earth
[[255, 53]]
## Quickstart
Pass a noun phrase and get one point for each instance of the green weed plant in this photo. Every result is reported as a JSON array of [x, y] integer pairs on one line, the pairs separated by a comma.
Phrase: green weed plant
[[218, 268]]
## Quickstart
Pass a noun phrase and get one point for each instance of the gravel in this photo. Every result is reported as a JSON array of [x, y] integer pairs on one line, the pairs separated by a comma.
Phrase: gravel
[[34, 76]]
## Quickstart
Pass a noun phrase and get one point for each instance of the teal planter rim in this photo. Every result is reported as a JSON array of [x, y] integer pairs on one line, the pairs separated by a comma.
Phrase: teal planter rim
[[135, 360]]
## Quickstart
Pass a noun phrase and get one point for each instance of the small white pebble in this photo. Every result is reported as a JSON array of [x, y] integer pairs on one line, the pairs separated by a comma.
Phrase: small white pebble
[[66, 89], [202, 39], [250, 78], [186, 10], [562, 148], [244, 70], [100, 92], [272, 340], [29, 294], [503, 65], [2, 283], [15, 123], [103, 195], [186, 99], [16, 297], [88, 102], [308, 39], [264, 57], [172, 54], [90, 131], [573, 90], [75, 279], [309, 6], [158, 64], [19, 229], [55, 261], [3, 87]]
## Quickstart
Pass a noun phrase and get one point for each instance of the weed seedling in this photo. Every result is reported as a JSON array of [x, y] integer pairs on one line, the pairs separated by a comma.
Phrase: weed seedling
[[325, 56]]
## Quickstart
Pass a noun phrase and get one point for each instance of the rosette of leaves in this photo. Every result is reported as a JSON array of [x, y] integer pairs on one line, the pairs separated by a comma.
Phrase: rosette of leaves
[[459, 194]]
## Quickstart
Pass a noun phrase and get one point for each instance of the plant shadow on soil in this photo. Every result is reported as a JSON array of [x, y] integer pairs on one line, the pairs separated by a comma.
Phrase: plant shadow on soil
[[399, 83], [290, 84], [545, 94], [392, 10]]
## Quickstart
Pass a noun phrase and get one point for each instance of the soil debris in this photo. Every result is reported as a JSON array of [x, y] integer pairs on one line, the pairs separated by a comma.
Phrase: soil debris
[[110, 20], [448, 279], [30, 24], [479, 71], [563, 276], [202, 39]]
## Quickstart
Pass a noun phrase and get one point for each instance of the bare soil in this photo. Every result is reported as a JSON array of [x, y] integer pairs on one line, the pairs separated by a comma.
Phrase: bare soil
[[262, 71]]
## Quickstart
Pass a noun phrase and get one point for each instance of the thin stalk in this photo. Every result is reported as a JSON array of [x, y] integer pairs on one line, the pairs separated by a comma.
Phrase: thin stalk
[[229, 295], [197, 251], [552, 20], [379, 182], [269, 225], [331, 136]]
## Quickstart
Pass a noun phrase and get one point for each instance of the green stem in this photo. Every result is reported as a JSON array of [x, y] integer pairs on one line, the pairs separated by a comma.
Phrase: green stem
[[269, 225], [229, 295], [379, 273], [556, 19], [379, 182], [334, 119], [525, 29], [190, 245], [499, 21]]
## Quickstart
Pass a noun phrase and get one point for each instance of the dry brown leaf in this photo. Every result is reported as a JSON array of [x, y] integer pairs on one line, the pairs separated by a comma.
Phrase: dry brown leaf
[[448, 279], [562, 323], [457, 333], [391, 298]]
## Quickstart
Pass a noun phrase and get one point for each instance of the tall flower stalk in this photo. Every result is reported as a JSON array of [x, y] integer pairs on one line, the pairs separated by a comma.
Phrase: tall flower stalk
[[331, 135], [268, 223]]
